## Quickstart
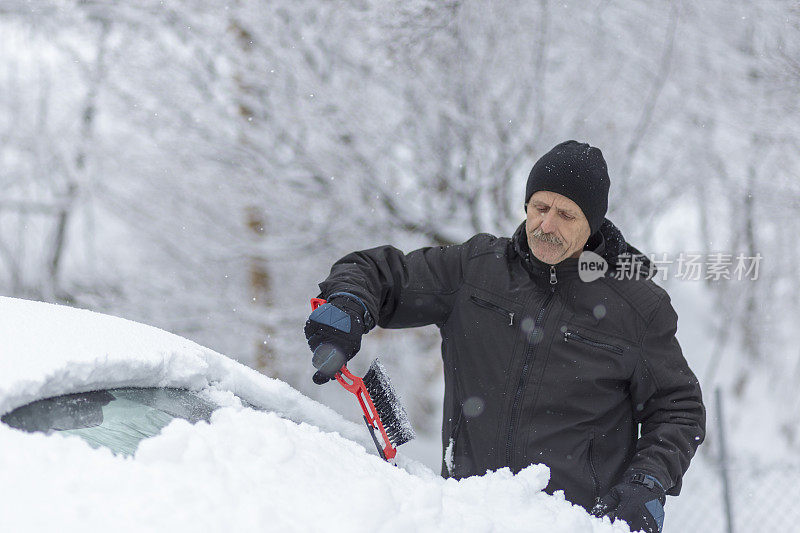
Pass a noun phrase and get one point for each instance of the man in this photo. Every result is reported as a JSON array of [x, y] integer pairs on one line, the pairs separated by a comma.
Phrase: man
[[540, 366]]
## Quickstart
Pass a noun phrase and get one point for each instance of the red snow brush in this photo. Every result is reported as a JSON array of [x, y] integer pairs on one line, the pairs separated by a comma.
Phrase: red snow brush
[[383, 412]]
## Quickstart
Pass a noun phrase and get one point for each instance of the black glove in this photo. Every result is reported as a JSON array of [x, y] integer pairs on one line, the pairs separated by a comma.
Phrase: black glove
[[639, 501], [340, 323]]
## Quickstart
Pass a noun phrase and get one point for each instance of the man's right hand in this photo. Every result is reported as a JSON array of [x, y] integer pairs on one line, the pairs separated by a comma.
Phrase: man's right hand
[[340, 323]]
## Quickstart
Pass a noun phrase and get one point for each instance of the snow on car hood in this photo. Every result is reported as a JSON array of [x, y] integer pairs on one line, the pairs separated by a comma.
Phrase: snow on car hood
[[254, 471], [298, 468]]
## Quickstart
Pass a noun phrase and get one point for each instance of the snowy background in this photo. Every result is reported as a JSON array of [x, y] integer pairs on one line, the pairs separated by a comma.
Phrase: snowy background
[[198, 165]]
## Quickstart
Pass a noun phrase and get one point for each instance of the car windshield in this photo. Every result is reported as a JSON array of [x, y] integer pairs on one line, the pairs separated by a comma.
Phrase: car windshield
[[118, 419]]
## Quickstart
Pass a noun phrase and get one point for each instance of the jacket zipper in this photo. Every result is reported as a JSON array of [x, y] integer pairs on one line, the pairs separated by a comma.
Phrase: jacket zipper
[[595, 479], [521, 384], [494, 307], [571, 335]]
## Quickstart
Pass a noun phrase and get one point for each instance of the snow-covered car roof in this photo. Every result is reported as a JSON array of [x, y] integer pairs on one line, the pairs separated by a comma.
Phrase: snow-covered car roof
[[49, 350], [298, 467]]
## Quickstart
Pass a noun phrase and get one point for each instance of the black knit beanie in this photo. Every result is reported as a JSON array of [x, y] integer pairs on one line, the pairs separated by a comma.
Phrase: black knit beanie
[[577, 171]]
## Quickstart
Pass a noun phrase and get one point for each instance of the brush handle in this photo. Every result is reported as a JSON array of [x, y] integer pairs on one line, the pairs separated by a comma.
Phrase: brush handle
[[328, 359], [355, 384]]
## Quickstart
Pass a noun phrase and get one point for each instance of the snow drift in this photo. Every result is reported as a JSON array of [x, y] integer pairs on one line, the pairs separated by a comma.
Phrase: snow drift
[[299, 467]]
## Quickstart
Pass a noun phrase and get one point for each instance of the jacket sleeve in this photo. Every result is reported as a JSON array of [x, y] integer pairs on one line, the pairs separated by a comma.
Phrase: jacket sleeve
[[667, 402], [402, 290]]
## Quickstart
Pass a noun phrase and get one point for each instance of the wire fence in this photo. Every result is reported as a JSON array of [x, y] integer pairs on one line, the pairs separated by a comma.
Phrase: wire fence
[[762, 498]]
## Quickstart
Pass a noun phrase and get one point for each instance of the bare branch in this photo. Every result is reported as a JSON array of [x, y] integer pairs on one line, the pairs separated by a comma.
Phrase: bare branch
[[646, 117]]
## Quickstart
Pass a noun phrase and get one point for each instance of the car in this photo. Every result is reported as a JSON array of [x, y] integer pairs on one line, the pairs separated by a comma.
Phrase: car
[[72, 370], [113, 424]]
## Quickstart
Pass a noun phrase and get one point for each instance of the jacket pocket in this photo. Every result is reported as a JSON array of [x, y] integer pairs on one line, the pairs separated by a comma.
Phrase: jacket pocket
[[593, 470], [486, 304], [570, 335]]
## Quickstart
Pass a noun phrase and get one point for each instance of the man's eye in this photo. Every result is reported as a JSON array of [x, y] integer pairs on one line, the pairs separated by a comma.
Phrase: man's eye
[[567, 217], [542, 209]]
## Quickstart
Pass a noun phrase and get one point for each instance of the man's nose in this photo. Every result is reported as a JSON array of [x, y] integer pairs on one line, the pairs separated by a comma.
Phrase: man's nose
[[549, 222]]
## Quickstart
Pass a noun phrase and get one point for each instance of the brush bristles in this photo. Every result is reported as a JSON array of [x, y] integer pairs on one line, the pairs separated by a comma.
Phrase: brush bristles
[[390, 409]]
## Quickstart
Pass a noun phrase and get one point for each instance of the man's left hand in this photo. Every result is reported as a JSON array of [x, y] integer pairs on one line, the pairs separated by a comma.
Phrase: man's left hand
[[639, 501]]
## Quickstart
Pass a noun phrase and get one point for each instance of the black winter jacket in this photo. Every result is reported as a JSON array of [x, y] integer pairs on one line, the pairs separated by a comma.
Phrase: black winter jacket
[[539, 366]]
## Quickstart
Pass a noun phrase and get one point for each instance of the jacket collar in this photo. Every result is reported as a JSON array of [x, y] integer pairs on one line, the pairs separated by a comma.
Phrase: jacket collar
[[607, 242]]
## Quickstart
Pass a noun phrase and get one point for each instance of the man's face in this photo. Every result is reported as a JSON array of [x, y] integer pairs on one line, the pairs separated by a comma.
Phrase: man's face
[[556, 227]]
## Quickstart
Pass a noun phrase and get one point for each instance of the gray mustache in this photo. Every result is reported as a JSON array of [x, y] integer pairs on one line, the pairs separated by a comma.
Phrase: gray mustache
[[545, 237]]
